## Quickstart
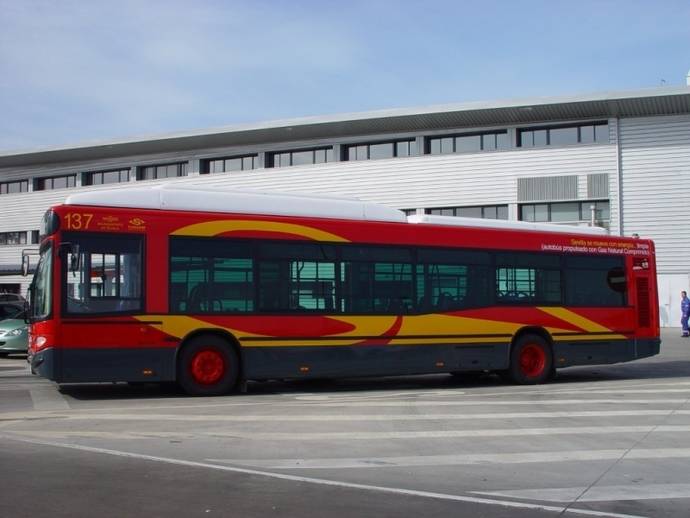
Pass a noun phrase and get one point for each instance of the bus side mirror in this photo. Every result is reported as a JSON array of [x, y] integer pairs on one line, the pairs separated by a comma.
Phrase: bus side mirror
[[25, 265]]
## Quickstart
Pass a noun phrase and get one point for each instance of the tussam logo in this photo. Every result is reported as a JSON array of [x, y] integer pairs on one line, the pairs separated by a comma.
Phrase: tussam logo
[[137, 222]]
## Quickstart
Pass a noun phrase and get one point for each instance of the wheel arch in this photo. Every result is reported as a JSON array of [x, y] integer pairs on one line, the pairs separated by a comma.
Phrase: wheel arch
[[532, 330]]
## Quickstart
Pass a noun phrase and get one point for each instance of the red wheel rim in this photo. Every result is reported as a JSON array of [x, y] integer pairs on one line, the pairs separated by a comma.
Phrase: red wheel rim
[[532, 360], [207, 366]]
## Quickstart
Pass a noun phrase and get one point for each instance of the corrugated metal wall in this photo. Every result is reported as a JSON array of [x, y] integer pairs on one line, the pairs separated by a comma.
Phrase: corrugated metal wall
[[655, 159]]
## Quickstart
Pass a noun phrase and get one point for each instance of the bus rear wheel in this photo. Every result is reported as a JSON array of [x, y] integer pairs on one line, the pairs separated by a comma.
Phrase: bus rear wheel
[[207, 366], [531, 360]]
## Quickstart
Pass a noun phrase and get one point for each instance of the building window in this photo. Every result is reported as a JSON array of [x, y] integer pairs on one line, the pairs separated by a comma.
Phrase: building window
[[566, 212], [12, 238], [301, 157], [56, 182], [594, 132], [106, 177], [467, 143], [236, 163], [154, 172], [35, 237], [14, 187], [377, 150], [485, 211]]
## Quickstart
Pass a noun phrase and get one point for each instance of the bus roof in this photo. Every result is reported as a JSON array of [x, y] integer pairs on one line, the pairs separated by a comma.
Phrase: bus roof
[[504, 224], [203, 199]]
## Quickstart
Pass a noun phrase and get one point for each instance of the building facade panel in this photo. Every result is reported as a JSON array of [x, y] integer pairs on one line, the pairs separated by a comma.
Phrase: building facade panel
[[655, 157], [656, 185]]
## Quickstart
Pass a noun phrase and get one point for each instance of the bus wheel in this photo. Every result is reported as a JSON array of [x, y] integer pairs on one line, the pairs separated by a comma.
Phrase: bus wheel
[[207, 366], [531, 360]]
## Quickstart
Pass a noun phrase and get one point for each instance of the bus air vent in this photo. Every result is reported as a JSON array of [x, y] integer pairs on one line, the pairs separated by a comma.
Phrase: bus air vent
[[643, 309]]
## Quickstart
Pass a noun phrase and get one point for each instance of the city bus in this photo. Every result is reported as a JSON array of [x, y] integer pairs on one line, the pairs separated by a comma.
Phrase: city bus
[[211, 289]]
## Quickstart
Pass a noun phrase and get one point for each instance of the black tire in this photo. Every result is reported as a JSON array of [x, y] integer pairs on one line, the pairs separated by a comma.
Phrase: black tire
[[207, 365], [531, 360]]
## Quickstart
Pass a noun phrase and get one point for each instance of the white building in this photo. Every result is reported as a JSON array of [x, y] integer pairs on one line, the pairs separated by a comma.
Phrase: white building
[[621, 159]]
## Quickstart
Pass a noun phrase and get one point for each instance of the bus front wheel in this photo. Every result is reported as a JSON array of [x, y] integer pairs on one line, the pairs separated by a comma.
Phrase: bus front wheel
[[207, 366], [531, 360]]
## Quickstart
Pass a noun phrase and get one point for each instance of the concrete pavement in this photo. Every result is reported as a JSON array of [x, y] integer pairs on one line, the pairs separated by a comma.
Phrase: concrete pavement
[[599, 441]]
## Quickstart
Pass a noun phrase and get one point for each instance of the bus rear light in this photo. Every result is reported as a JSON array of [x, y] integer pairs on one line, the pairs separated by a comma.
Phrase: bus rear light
[[147, 372], [440, 364], [304, 368]]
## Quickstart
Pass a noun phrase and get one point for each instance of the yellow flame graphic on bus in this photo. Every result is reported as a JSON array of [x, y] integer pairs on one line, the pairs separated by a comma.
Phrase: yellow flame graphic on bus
[[214, 228]]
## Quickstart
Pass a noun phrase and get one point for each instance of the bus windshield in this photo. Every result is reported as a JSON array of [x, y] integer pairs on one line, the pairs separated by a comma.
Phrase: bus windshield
[[41, 287]]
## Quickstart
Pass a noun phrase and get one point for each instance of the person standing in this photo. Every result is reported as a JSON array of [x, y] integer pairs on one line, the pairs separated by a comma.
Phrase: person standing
[[684, 313]]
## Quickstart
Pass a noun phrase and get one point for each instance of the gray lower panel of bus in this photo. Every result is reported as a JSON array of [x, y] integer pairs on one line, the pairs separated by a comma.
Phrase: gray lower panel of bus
[[293, 362], [93, 365], [89, 365], [568, 354]]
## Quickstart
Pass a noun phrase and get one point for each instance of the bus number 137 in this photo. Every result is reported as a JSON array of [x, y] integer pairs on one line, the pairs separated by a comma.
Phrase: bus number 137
[[77, 221]]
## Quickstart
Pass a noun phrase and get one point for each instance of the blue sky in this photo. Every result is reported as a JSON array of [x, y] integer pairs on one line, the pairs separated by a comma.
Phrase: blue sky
[[74, 72]]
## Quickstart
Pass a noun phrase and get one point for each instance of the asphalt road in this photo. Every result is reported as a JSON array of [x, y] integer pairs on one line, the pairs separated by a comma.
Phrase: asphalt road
[[598, 441]]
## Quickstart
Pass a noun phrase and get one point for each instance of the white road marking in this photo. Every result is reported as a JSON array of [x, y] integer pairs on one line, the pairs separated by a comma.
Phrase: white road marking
[[202, 403], [347, 418], [370, 436], [458, 460], [13, 373], [597, 493], [441, 434], [553, 401], [376, 395], [325, 482], [47, 398]]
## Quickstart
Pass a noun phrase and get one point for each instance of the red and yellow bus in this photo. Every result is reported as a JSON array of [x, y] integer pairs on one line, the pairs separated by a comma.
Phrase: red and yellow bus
[[211, 289]]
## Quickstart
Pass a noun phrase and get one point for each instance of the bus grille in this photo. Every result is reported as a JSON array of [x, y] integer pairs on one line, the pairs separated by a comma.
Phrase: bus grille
[[643, 310]]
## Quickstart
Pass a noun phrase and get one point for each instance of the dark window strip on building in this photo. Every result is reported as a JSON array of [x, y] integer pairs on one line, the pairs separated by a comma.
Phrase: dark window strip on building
[[299, 157], [155, 172], [14, 187], [467, 143], [235, 163], [55, 182], [13, 238], [562, 135], [566, 212], [484, 211], [107, 177], [379, 150]]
